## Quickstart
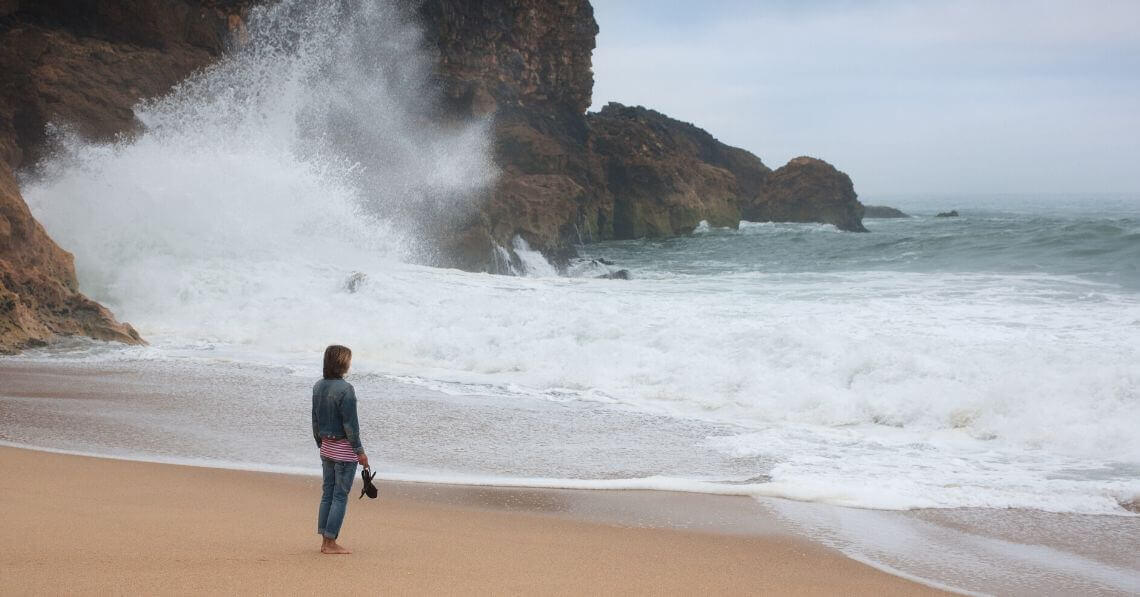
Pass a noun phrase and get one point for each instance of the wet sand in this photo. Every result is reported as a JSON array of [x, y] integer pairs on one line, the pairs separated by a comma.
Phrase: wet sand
[[185, 413], [75, 524]]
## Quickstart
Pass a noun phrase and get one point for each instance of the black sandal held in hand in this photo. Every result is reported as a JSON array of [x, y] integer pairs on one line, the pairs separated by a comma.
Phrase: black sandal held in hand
[[368, 488]]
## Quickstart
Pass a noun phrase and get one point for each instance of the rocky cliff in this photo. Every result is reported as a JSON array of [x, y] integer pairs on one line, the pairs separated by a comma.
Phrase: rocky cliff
[[664, 176], [566, 176], [80, 64], [85, 63], [39, 296], [526, 64], [569, 177]]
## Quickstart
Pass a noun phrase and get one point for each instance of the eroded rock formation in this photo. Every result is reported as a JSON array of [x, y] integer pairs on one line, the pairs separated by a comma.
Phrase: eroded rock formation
[[39, 295], [665, 176], [566, 176], [882, 212], [808, 190], [526, 64], [569, 177], [80, 64], [84, 63]]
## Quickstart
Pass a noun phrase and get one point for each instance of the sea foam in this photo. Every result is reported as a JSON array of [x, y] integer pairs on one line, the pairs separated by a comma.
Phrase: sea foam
[[227, 229]]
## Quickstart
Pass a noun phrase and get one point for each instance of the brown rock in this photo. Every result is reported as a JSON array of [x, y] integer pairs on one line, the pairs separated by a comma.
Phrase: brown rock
[[85, 63], [624, 172], [665, 176], [512, 53], [539, 208], [39, 296], [808, 190], [566, 177], [882, 212], [81, 64]]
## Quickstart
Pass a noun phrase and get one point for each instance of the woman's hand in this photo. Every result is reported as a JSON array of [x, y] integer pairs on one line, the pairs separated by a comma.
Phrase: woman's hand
[[363, 459]]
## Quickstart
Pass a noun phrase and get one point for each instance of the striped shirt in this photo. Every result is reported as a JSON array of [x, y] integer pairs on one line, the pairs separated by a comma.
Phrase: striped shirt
[[338, 449]]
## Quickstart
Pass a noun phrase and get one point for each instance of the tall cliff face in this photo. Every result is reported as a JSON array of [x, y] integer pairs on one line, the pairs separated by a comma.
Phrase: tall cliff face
[[501, 55], [526, 65], [569, 177], [81, 64], [565, 176], [85, 63]]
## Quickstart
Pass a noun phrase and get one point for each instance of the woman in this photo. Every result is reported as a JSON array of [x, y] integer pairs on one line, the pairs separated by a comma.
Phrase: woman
[[337, 432]]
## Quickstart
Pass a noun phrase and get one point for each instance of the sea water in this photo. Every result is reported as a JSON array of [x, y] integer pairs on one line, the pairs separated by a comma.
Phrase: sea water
[[990, 360], [884, 383]]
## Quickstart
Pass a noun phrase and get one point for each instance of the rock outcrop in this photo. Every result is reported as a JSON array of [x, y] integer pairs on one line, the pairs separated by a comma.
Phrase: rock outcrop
[[808, 189], [39, 295], [664, 176], [566, 176], [81, 64], [569, 177], [84, 63], [882, 212], [501, 55], [526, 63]]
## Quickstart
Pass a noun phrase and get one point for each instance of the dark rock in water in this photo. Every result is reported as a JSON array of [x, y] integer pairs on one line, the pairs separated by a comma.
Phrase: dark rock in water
[[882, 212], [1132, 505], [604, 261], [356, 281], [527, 63], [948, 214], [568, 177], [665, 176], [621, 274], [560, 257], [807, 190]]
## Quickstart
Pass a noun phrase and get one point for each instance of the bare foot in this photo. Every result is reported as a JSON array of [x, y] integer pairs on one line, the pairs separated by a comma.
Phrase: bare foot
[[331, 547]]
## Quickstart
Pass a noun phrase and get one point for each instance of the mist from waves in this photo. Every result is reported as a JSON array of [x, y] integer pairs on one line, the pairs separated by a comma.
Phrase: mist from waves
[[884, 376], [310, 148]]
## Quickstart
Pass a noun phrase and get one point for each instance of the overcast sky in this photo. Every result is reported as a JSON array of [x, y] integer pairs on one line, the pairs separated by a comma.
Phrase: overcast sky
[[969, 96]]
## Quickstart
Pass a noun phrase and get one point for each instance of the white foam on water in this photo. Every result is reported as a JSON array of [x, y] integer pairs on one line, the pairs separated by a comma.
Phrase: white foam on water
[[228, 228], [269, 175], [533, 263], [961, 559], [747, 227]]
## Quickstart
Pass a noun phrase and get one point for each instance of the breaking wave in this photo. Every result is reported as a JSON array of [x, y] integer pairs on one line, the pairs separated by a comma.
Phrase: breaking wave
[[928, 364]]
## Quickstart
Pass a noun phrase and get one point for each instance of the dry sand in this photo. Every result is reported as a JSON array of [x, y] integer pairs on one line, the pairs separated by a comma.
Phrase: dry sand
[[73, 524]]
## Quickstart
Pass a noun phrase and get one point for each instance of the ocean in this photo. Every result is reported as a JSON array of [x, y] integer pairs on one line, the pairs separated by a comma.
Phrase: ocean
[[970, 426], [986, 361], [990, 360]]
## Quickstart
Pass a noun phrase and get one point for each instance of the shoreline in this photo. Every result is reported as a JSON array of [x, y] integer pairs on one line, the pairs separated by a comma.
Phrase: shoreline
[[167, 413], [90, 524]]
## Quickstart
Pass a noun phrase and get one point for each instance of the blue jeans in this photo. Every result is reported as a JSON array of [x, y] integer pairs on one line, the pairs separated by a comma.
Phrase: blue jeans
[[334, 497]]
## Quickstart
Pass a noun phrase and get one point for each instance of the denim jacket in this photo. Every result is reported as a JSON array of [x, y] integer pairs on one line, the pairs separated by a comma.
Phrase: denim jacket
[[334, 412]]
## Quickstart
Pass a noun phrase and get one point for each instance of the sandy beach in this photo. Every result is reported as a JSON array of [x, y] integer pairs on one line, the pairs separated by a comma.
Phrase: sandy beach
[[77, 524]]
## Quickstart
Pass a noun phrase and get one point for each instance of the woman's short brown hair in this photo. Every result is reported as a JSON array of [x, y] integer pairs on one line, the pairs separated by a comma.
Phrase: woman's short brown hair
[[337, 359]]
